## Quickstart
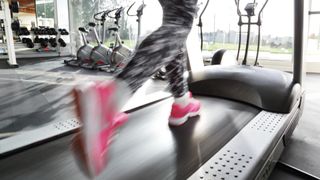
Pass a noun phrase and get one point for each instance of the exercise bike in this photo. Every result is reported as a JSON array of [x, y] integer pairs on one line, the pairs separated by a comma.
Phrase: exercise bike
[[83, 53], [120, 52], [100, 54], [90, 57]]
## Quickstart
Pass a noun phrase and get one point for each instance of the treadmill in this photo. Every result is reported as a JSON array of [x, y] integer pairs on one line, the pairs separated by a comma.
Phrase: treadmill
[[248, 115]]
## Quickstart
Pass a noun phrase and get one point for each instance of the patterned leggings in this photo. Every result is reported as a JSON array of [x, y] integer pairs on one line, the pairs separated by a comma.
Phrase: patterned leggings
[[164, 47]]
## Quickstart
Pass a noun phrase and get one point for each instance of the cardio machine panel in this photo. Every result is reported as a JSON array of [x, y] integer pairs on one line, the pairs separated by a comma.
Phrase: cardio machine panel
[[268, 89]]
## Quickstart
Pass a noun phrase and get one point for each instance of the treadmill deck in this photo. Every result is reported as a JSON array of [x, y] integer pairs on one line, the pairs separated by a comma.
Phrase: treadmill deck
[[146, 147]]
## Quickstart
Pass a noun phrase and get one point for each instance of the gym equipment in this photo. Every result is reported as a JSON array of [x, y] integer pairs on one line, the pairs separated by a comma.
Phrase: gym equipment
[[220, 56], [63, 32], [250, 12], [106, 59], [36, 31], [15, 25], [138, 15], [120, 52], [28, 42], [36, 39], [100, 54], [102, 19], [52, 31], [43, 42], [62, 42], [23, 31], [24, 40], [84, 52], [47, 31], [200, 24], [236, 137], [117, 53], [41, 30], [53, 42]]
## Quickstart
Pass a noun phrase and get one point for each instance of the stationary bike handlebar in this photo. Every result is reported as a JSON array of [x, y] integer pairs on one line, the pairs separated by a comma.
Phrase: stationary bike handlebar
[[200, 23], [139, 10], [102, 13], [117, 14], [92, 24], [82, 29], [264, 5]]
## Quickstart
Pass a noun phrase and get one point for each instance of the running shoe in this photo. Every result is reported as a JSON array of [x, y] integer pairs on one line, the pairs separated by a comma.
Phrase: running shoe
[[98, 111], [181, 113]]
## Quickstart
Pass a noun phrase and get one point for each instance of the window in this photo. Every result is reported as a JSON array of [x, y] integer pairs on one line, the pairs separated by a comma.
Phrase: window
[[45, 12], [315, 5], [313, 49], [221, 31], [82, 13]]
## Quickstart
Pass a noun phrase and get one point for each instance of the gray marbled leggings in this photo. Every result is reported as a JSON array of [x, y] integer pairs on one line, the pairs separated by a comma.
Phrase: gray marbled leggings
[[164, 47]]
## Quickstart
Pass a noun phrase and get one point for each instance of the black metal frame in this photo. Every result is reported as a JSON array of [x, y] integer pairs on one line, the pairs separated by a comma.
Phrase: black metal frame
[[102, 19], [314, 12], [138, 14], [249, 23], [298, 41], [200, 24]]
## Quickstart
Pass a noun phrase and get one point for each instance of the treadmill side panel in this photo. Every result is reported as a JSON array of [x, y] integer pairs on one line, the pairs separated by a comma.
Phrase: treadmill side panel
[[245, 154]]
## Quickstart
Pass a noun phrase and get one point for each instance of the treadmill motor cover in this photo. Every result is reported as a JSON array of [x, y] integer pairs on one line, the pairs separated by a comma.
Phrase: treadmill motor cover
[[268, 89]]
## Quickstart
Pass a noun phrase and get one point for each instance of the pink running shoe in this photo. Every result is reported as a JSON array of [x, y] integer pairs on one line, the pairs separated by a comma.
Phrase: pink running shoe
[[180, 114], [98, 111]]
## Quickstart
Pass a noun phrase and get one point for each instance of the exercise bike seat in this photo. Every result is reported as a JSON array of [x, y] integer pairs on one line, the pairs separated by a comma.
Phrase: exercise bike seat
[[92, 24], [82, 29], [113, 29]]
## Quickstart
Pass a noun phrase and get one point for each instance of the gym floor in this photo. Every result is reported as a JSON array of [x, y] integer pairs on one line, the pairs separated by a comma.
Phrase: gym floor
[[303, 150], [38, 93]]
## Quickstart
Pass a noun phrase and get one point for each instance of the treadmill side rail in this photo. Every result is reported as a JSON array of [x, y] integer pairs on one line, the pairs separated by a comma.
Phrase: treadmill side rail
[[252, 153]]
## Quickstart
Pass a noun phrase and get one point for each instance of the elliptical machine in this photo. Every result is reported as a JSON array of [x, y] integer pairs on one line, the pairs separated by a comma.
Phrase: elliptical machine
[[220, 56], [83, 53], [139, 15], [250, 10]]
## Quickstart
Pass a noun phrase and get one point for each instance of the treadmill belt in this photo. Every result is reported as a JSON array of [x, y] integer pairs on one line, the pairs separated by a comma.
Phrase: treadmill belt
[[145, 148]]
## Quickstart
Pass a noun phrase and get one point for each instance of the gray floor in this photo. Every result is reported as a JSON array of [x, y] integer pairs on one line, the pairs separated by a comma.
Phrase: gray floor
[[303, 151], [281, 174]]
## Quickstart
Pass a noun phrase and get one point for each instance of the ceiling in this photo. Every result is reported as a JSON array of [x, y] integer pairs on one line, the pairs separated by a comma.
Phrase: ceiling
[[27, 6]]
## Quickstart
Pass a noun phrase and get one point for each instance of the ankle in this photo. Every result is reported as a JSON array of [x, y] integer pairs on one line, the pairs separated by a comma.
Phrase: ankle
[[183, 100]]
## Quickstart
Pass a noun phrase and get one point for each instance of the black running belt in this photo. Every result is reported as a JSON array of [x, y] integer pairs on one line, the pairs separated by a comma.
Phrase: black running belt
[[146, 147]]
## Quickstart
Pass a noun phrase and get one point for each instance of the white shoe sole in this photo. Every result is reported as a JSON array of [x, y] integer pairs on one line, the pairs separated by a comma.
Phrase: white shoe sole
[[181, 121]]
